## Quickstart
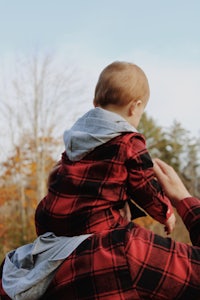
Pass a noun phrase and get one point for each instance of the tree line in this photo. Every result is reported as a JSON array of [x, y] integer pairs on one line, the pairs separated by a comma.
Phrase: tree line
[[36, 106]]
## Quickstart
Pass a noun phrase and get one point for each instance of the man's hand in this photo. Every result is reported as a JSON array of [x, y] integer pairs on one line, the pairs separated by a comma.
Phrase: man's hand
[[170, 182]]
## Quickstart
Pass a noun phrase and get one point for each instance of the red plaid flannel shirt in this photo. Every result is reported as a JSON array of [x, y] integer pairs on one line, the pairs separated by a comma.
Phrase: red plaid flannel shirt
[[130, 262], [86, 195], [133, 263]]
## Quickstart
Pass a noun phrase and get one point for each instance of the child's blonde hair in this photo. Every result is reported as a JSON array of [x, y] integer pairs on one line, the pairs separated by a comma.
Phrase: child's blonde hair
[[119, 83]]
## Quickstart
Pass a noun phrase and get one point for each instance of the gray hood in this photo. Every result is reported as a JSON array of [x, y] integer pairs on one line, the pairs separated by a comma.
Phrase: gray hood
[[93, 129]]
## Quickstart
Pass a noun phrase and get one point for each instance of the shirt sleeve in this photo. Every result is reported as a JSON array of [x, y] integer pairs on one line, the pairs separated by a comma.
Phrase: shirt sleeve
[[189, 210], [142, 186], [164, 264], [159, 264]]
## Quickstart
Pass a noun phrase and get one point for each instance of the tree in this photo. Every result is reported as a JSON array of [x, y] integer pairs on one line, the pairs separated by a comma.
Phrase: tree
[[158, 141], [169, 144], [152, 132], [177, 138], [19, 194], [191, 168], [37, 106]]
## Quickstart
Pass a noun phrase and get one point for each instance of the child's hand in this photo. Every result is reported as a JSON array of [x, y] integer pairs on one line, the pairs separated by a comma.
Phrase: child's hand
[[125, 212], [170, 224]]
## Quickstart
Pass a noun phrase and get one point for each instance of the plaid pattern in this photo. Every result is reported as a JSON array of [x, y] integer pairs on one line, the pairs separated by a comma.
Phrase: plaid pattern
[[86, 195], [132, 263]]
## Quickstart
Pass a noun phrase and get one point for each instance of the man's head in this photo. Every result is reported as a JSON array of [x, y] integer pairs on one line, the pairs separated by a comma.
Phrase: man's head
[[123, 87]]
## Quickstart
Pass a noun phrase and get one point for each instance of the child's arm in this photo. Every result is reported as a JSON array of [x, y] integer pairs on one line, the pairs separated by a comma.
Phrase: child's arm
[[143, 187]]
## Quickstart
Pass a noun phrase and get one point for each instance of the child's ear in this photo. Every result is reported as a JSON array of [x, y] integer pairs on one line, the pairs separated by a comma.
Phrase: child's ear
[[138, 102], [134, 105]]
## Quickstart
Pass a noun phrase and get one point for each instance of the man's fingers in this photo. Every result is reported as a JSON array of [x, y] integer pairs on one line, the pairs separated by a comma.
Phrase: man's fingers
[[161, 165], [158, 169]]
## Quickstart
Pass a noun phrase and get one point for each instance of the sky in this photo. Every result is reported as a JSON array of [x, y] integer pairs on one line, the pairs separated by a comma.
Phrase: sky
[[162, 37]]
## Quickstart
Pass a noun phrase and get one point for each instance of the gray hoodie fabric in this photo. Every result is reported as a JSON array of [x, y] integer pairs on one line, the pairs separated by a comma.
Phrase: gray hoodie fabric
[[93, 129], [29, 269]]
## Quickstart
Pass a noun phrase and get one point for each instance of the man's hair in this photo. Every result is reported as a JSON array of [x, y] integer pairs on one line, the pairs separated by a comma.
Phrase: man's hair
[[119, 83]]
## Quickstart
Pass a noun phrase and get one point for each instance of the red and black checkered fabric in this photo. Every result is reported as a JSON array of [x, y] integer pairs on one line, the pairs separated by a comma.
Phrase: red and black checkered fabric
[[132, 263], [86, 195]]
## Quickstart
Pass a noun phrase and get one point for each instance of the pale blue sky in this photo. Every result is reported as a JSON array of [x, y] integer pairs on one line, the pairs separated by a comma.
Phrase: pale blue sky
[[161, 36], [107, 27]]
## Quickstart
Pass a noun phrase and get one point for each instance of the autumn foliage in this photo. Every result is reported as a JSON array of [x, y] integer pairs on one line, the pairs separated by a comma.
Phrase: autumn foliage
[[19, 197]]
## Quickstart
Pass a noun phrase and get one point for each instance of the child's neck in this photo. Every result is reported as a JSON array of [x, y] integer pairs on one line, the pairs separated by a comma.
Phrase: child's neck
[[120, 110]]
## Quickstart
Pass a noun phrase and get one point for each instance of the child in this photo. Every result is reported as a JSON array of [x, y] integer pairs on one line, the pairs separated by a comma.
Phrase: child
[[105, 163]]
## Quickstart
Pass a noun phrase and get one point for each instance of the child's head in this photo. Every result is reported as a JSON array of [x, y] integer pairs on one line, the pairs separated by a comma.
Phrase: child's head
[[120, 85]]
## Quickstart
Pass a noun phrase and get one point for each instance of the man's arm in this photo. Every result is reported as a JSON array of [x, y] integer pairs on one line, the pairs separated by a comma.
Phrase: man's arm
[[161, 267]]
